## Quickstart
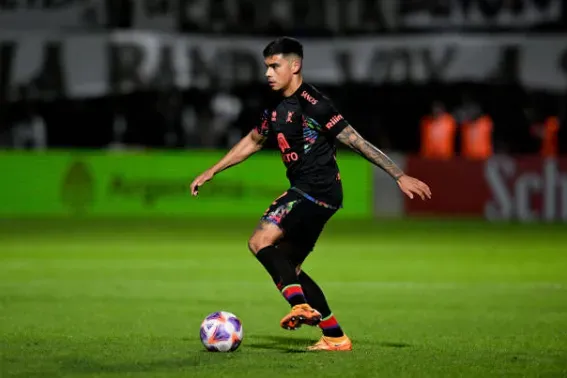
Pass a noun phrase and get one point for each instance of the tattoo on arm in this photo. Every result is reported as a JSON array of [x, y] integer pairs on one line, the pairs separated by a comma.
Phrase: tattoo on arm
[[352, 138]]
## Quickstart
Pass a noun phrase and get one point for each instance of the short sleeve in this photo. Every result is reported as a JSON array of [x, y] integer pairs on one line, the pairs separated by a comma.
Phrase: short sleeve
[[331, 121], [263, 126]]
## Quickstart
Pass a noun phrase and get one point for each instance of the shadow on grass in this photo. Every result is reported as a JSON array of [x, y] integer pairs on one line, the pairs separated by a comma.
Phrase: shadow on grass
[[198, 357], [85, 366], [394, 345], [282, 343], [299, 344]]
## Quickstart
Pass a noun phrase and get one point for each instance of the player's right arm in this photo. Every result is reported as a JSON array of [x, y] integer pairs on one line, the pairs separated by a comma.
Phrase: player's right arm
[[246, 147]]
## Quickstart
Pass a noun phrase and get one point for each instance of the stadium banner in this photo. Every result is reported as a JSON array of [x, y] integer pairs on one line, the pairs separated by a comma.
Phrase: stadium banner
[[66, 15], [347, 16], [463, 16], [83, 65], [150, 184], [502, 188]]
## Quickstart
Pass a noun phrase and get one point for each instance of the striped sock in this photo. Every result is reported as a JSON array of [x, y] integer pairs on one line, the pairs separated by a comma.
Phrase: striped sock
[[293, 294], [277, 264], [330, 327]]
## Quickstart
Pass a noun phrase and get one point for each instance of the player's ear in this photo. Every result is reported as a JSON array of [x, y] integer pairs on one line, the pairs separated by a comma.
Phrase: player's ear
[[295, 65]]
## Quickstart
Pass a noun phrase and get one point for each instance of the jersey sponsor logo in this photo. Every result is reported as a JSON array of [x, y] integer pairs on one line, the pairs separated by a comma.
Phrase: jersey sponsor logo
[[334, 120], [287, 157], [309, 98], [282, 143]]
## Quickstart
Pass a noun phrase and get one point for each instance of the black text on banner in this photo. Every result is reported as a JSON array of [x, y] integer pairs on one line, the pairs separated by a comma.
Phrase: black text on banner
[[83, 65]]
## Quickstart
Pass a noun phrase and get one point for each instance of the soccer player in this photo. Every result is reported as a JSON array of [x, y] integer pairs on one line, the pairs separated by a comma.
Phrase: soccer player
[[305, 124]]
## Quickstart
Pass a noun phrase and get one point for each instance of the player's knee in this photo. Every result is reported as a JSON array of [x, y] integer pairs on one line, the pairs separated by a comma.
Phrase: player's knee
[[258, 242], [265, 236], [252, 246]]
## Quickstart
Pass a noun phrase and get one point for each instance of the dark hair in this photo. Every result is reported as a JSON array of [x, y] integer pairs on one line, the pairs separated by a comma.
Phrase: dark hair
[[284, 45]]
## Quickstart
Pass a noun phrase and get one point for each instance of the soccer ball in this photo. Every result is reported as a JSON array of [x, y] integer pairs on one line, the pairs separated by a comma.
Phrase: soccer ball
[[221, 332]]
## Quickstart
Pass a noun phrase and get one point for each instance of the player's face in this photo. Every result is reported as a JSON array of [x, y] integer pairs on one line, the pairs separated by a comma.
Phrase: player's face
[[279, 71]]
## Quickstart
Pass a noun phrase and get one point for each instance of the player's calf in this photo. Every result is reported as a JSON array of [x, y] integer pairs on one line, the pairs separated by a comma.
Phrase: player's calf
[[316, 298], [276, 262]]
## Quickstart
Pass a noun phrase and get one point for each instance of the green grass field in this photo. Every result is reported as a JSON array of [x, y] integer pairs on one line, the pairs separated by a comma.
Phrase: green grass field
[[419, 299]]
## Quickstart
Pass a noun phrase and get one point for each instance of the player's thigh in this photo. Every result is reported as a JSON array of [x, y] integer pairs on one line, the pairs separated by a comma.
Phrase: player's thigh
[[286, 211], [278, 219], [302, 239], [264, 235]]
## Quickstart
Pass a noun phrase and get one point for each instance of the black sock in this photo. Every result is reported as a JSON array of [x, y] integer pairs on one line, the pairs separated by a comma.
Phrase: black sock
[[277, 264], [317, 300]]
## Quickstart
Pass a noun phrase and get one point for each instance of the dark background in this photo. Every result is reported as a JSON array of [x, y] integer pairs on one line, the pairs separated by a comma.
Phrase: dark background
[[387, 113]]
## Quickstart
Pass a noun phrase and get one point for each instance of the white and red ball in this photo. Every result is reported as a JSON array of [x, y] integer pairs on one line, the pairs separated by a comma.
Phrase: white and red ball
[[221, 332]]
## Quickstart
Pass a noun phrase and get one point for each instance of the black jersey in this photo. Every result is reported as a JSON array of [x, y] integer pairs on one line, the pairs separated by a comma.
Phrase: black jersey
[[305, 126]]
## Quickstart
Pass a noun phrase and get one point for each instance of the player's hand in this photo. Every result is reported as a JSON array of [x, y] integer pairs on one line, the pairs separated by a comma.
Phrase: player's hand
[[411, 186], [200, 180]]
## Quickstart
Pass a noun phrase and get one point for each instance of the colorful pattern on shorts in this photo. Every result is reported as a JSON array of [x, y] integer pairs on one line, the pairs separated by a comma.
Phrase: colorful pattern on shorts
[[278, 214], [314, 200]]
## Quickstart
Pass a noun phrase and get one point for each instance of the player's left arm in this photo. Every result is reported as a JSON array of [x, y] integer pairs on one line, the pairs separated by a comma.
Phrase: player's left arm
[[334, 125], [350, 137], [409, 185]]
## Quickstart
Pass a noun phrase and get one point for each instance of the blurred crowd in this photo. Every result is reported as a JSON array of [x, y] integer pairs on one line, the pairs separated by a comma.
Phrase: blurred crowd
[[437, 120]]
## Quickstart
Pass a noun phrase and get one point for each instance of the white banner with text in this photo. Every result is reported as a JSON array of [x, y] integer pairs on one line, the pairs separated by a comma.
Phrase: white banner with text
[[83, 65]]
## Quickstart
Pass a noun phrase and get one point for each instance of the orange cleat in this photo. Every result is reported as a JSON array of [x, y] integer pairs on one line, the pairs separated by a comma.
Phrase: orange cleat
[[300, 314], [337, 344]]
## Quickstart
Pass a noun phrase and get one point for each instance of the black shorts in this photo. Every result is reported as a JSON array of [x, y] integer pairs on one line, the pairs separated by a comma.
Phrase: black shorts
[[301, 221]]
